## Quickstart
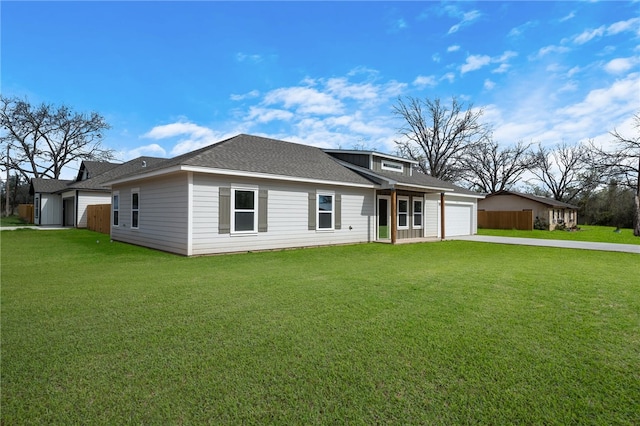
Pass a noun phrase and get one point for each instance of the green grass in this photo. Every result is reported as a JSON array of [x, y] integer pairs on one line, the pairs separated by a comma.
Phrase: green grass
[[13, 221], [450, 332], [602, 234]]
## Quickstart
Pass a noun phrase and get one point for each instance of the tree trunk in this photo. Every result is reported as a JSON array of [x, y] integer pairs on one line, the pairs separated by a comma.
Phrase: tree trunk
[[636, 222], [636, 226]]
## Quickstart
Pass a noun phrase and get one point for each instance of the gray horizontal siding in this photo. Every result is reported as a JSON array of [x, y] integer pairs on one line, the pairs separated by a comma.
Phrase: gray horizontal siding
[[163, 217], [287, 217]]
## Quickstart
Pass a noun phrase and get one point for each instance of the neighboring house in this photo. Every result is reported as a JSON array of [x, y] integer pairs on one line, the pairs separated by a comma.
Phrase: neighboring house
[[64, 202], [546, 210], [253, 193]]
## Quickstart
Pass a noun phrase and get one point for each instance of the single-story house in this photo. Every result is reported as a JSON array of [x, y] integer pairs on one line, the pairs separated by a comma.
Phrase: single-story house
[[64, 202], [549, 212], [253, 193]]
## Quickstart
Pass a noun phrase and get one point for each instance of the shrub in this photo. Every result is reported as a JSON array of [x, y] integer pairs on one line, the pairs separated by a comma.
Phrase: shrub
[[540, 224]]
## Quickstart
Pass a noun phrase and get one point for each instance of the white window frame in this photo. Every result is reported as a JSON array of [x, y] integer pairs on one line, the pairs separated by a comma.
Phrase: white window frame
[[115, 208], [413, 212], [406, 213], [392, 166], [137, 210], [323, 212], [36, 210], [253, 189]]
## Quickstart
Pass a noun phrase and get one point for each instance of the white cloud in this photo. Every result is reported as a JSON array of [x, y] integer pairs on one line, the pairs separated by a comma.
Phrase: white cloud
[[451, 77], [489, 85], [453, 48], [571, 15], [467, 19], [192, 136], [436, 57], [475, 62], [266, 115], [250, 95], [620, 65], [536, 116], [501, 69], [151, 150], [305, 100], [620, 98], [519, 30], [245, 57], [589, 35], [343, 88], [424, 81], [178, 129], [632, 24], [551, 49], [398, 25]]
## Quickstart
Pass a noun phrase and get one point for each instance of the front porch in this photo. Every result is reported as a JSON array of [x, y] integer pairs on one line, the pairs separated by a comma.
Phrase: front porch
[[407, 216]]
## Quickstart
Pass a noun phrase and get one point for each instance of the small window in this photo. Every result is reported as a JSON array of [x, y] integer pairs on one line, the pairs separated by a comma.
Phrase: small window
[[392, 166], [135, 208], [417, 213], [116, 208], [36, 209], [403, 212], [325, 211], [244, 217]]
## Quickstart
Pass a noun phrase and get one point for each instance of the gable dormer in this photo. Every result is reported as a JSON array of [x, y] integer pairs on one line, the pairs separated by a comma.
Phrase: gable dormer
[[375, 161]]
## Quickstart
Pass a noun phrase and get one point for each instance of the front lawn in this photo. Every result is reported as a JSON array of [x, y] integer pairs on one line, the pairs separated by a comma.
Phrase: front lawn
[[452, 332], [600, 234]]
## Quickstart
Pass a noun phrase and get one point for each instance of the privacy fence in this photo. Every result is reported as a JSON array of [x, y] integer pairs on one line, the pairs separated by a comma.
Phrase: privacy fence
[[522, 220], [25, 211], [99, 218]]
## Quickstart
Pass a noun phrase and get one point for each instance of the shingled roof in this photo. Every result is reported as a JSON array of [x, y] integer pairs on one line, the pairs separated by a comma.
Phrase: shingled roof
[[48, 186], [262, 155], [92, 169], [544, 200], [131, 166]]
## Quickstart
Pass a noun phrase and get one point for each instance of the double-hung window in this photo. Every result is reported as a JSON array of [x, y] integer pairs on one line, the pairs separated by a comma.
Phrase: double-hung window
[[417, 213], [135, 208], [244, 210], [325, 213], [403, 212], [115, 205]]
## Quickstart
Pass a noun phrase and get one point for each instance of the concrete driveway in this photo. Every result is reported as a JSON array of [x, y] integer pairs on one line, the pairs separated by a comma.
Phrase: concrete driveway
[[584, 245]]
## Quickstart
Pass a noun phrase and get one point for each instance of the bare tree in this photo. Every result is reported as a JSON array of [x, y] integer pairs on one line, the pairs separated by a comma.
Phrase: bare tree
[[437, 136], [46, 138], [491, 168], [622, 164], [561, 170]]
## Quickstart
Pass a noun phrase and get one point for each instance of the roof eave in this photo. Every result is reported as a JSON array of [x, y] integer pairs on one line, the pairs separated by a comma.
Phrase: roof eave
[[228, 172]]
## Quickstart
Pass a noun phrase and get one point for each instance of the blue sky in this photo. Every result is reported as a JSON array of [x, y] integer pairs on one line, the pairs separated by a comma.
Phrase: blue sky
[[174, 76]]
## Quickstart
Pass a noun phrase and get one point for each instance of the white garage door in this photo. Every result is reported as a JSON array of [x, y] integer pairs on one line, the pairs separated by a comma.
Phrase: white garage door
[[457, 220]]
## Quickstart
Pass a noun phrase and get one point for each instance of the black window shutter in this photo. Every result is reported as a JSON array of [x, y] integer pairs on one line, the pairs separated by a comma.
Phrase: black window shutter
[[338, 212], [312, 211], [224, 211], [263, 204]]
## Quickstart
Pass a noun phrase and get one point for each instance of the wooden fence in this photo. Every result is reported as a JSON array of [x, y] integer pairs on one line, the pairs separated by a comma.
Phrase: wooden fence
[[25, 211], [99, 218], [522, 220]]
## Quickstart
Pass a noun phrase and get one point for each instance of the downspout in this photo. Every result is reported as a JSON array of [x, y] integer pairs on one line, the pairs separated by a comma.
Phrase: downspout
[[442, 236], [394, 217]]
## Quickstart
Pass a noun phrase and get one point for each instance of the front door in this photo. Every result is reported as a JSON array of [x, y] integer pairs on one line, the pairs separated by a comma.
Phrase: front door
[[384, 225]]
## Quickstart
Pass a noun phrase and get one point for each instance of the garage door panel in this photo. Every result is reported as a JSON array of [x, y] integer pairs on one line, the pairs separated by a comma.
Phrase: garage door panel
[[457, 220]]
